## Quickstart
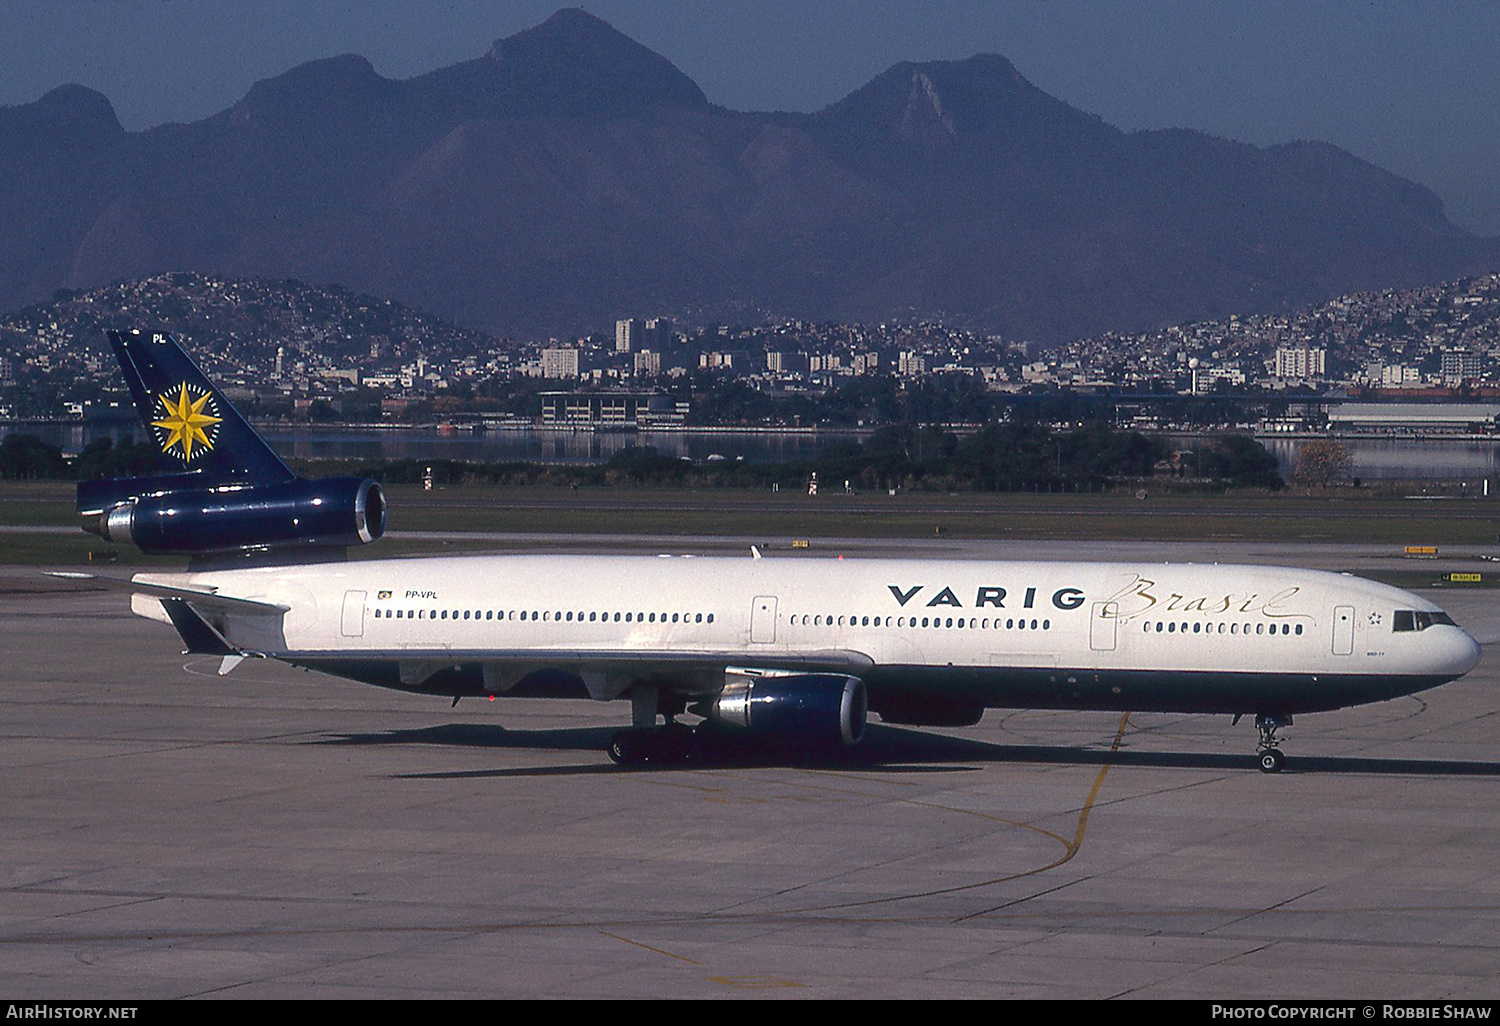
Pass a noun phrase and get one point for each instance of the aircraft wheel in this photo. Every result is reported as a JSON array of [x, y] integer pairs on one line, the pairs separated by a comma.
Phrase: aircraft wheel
[[627, 748], [1271, 760]]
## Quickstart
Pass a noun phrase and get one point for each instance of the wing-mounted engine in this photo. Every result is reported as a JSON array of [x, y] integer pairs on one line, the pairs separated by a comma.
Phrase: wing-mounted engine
[[815, 708], [198, 521]]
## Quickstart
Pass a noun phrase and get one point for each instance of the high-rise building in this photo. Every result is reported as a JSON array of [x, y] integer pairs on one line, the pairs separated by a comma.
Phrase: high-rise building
[[559, 363], [778, 362], [1300, 362], [647, 363], [659, 333], [629, 335], [1460, 365]]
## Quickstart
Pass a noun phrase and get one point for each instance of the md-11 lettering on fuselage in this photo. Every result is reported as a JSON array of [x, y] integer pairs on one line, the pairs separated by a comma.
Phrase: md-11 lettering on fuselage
[[1062, 598]]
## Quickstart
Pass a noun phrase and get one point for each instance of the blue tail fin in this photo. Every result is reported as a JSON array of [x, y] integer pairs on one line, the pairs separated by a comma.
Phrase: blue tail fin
[[196, 428]]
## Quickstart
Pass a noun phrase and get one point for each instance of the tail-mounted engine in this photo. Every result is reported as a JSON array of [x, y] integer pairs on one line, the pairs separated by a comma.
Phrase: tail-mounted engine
[[165, 514]]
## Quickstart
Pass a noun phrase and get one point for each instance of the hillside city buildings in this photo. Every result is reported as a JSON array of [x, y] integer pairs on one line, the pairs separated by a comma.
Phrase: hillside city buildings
[[324, 351]]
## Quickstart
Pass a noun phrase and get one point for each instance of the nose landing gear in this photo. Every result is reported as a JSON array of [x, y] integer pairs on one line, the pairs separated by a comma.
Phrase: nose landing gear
[[1269, 748]]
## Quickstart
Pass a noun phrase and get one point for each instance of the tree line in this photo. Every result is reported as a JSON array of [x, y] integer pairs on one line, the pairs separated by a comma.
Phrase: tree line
[[28, 458], [1004, 457], [998, 457]]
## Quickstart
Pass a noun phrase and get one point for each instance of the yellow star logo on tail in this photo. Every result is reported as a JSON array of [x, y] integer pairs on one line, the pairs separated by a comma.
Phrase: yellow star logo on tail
[[185, 422]]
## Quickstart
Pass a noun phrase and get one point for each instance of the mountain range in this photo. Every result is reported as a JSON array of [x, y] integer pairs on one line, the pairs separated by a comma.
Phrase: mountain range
[[571, 176]]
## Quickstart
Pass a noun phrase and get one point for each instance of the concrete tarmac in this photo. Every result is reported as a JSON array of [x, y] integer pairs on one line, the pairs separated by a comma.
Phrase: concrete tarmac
[[166, 832]]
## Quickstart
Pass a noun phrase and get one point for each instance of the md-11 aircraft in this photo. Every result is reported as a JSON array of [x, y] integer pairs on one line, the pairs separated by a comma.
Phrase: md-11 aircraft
[[793, 650]]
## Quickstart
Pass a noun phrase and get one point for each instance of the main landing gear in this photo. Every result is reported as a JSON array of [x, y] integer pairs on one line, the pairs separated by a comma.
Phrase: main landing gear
[[645, 742], [672, 744], [1269, 748]]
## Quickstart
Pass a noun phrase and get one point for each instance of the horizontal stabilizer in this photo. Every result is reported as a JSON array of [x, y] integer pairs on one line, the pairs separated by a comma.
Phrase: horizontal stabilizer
[[205, 599]]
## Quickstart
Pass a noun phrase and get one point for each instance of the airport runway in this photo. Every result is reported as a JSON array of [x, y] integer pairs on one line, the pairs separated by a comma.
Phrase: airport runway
[[165, 832]]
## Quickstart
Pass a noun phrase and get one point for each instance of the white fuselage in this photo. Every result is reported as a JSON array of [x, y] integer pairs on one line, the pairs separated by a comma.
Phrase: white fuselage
[[1063, 635]]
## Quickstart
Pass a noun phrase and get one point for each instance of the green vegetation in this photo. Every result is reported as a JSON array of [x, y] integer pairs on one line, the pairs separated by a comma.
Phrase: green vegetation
[[1007, 481], [1021, 457], [1003, 457], [28, 458]]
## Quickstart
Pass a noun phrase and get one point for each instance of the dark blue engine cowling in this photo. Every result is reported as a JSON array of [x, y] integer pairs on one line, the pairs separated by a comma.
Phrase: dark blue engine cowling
[[332, 511], [823, 708]]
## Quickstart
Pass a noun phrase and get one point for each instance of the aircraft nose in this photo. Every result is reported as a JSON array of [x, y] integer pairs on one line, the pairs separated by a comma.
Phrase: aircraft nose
[[1458, 653]]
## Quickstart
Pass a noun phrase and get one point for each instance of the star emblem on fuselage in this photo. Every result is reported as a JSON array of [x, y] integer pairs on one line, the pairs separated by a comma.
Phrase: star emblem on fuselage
[[190, 422], [1374, 619]]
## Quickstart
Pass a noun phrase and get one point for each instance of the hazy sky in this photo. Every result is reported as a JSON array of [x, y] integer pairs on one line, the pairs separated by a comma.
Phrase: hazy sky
[[1410, 85]]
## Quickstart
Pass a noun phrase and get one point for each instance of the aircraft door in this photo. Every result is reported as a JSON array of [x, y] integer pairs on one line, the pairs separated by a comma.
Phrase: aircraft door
[[352, 623], [763, 620], [1103, 626], [1343, 630]]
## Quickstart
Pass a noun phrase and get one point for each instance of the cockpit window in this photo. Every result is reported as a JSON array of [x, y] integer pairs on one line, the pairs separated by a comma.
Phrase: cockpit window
[[1417, 620]]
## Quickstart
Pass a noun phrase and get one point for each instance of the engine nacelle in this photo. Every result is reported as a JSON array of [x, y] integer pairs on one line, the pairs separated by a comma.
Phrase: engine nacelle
[[821, 708], [333, 511]]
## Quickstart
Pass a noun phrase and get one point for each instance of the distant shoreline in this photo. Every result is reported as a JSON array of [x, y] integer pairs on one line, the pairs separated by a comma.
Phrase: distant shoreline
[[746, 430]]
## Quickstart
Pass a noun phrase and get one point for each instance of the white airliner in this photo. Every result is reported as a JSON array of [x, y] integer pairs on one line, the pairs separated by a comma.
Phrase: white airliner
[[787, 648]]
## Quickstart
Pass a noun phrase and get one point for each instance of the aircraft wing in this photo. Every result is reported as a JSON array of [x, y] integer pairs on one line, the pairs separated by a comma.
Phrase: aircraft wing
[[826, 660]]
